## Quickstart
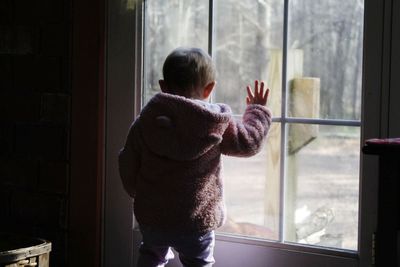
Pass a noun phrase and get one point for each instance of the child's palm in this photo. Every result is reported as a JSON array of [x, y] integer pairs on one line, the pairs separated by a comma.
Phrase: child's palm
[[259, 97]]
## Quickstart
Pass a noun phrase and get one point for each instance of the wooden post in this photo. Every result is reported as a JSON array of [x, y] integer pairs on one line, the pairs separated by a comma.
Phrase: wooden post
[[272, 181], [304, 103]]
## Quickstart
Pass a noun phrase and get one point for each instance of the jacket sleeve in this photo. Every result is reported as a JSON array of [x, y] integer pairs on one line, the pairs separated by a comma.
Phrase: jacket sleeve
[[129, 160], [245, 138]]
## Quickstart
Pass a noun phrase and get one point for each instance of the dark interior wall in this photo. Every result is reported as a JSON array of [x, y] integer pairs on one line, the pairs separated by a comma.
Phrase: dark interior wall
[[87, 132], [35, 96], [50, 124]]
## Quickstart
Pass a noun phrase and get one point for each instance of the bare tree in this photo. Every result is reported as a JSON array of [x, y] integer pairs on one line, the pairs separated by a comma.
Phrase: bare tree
[[329, 33]]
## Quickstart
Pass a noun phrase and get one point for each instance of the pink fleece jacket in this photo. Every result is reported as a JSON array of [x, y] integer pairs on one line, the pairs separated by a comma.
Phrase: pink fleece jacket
[[171, 161]]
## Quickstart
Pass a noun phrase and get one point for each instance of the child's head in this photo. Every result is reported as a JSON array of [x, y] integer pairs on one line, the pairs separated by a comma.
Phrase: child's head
[[188, 72]]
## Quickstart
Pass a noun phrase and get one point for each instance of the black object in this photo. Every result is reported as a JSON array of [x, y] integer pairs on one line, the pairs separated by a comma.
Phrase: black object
[[387, 237]]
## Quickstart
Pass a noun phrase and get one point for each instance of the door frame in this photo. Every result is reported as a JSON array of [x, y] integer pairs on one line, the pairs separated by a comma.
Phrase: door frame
[[122, 104]]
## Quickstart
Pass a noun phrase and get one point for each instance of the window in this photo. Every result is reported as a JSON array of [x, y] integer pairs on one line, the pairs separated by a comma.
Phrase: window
[[124, 79], [304, 186]]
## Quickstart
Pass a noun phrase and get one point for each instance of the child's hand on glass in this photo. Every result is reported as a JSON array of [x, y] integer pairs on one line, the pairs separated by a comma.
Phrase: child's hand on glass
[[259, 97]]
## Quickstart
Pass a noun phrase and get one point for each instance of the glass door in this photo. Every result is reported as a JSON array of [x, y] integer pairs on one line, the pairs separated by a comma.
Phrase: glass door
[[301, 192]]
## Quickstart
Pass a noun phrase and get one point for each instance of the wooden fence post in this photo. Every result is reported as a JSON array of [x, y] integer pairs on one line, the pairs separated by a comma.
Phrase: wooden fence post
[[303, 102]]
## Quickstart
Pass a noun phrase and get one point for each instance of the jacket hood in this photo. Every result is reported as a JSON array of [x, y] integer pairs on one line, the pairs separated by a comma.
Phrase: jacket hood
[[180, 128]]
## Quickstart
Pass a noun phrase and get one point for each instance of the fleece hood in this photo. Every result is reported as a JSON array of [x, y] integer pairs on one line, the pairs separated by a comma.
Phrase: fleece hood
[[182, 129]]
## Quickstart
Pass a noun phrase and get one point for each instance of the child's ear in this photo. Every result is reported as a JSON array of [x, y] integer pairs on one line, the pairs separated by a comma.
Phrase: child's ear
[[208, 89], [163, 86]]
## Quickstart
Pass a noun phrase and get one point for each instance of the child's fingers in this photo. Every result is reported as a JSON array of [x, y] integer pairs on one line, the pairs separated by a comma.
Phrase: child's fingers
[[249, 92], [266, 95], [247, 100], [256, 91], [262, 90]]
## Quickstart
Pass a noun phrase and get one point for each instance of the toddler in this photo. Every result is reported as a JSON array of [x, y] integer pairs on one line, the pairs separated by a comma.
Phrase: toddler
[[171, 162]]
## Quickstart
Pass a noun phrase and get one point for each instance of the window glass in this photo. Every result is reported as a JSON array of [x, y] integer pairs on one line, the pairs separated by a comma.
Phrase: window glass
[[168, 25], [322, 183], [248, 46], [325, 43], [323, 71], [252, 190]]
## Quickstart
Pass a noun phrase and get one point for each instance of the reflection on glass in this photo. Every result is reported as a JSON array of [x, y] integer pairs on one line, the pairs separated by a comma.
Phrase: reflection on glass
[[248, 42], [252, 191], [168, 25], [325, 42], [322, 183]]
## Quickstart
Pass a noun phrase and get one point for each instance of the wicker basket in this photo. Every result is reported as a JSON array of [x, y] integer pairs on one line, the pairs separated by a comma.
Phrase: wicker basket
[[18, 251]]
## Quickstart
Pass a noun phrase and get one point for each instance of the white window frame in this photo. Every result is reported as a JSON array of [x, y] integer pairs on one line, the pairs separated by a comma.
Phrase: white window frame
[[123, 102], [284, 120]]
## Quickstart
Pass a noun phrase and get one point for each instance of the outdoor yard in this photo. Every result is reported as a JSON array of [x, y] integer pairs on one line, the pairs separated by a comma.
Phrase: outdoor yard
[[327, 183]]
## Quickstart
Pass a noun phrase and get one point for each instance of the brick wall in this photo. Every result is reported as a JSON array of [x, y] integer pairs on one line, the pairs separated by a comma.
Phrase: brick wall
[[35, 100]]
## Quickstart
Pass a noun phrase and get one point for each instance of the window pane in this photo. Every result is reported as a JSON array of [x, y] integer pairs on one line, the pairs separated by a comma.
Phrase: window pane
[[168, 25], [248, 46], [252, 191], [322, 183], [325, 42]]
